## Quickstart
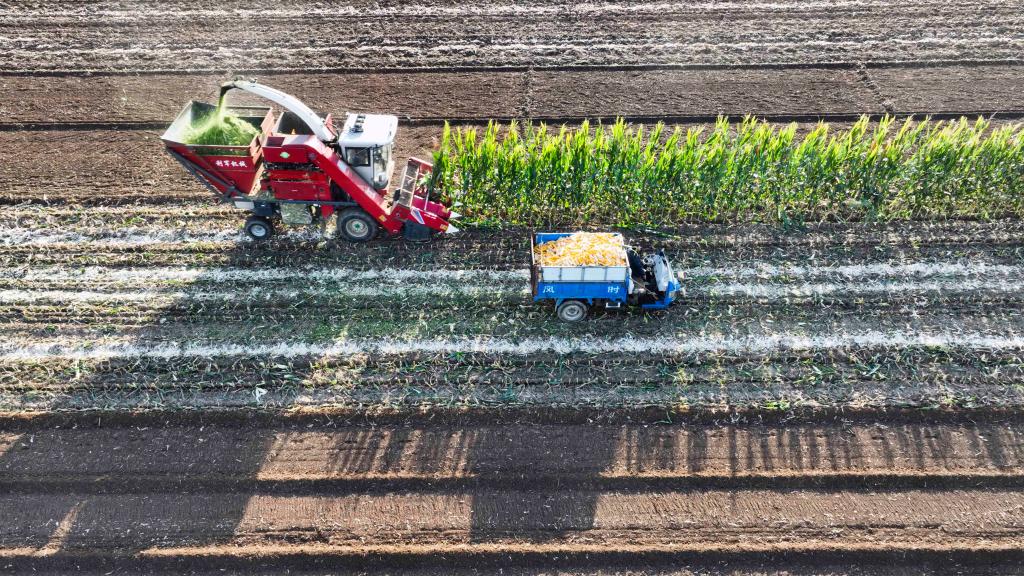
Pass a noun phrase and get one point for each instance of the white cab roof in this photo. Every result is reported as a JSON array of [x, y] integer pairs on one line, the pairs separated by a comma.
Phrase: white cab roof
[[377, 129]]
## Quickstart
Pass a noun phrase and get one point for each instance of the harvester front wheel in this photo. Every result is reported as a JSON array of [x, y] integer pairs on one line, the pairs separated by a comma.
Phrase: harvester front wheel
[[259, 228], [572, 310], [356, 226]]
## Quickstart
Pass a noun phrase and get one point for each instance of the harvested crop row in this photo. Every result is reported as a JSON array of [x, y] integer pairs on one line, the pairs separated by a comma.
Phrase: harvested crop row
[[851, 365], [739, 252], [977, 290], [132, 236], [474, 315], [854, 377], [779, 272], [757, 344], [747, 171]]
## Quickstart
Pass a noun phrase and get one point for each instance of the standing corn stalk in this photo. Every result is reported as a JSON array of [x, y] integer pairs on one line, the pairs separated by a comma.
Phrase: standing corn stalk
[[744, 171]]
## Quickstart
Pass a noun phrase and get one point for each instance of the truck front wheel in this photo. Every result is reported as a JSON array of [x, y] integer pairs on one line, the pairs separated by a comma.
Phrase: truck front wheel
[[572, 310], [259, 228], [356, 226]]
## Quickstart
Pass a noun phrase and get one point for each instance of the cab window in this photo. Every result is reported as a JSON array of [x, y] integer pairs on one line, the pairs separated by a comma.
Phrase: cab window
[[380, 160], [357, 156]]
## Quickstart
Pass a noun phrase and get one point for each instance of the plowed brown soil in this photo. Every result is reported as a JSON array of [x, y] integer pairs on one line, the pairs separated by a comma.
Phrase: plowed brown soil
[[145, 496], [673, 93]]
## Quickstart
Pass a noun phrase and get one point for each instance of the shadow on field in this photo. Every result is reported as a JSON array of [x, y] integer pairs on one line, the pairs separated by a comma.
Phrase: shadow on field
[[136, 484], [543, 470], [130, 486]]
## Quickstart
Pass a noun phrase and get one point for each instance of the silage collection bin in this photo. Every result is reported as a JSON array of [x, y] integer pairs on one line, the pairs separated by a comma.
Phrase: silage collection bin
[[228, 171]]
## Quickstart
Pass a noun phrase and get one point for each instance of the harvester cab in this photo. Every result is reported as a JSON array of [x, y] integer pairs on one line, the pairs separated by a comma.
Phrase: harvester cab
[[367, 141], [300, 169]]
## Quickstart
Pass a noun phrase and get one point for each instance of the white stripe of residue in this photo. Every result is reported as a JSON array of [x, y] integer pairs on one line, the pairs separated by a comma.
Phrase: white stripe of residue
[[85, 296], [221, 275], [15, 53], [215, 275], [131, 237], [562, 346], [763, 291], [420, 10], [770, 291], [921, 269], [122, 237]]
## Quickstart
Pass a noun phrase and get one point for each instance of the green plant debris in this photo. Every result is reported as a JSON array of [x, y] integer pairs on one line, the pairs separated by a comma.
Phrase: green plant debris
[[750, 171], [221, 128]]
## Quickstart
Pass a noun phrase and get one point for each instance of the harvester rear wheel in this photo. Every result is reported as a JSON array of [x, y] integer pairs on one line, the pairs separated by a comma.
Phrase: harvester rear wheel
[[259, 228], [355, 225], [572, 310]]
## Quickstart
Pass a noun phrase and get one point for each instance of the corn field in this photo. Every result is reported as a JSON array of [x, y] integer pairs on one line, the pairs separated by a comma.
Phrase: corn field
[[745, 171]]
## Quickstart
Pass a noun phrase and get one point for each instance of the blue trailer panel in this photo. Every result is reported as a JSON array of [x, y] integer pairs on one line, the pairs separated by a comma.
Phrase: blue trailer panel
[[588, 283]]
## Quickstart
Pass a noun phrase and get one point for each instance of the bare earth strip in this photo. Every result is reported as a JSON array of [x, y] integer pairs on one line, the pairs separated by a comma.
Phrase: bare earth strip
[[224, 496], [455, 95], [477, 96]]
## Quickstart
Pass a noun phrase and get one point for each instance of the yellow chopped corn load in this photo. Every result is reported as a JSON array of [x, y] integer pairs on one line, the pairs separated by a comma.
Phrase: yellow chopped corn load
[[582, 249]]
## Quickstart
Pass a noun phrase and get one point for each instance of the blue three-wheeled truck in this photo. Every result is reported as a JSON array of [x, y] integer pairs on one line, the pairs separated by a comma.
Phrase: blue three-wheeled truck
[[648, 282]]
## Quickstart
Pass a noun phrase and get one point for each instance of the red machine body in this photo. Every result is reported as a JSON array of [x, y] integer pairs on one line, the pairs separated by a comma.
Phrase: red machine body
[[280, 174]]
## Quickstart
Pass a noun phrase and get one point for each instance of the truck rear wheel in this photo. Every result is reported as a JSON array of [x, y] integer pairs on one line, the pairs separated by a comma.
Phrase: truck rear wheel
[[572, 310], [355, 225], [258, 228]]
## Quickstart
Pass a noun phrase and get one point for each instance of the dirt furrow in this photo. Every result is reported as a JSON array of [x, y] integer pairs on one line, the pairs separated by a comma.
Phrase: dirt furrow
[[540, 560], [226, 495], [495, 510], [472, 95], [476, 96], [155, 524], [426, 457]]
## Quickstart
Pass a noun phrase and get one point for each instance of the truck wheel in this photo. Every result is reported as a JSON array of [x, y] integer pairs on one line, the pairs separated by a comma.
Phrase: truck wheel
[[572, 311], [356, 226], [258, 228]]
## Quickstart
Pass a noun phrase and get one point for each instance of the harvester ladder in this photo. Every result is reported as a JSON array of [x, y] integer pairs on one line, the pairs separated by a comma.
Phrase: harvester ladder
[[414, 171]]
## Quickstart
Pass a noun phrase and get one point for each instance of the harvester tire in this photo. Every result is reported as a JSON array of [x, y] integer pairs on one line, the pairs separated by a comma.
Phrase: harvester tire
[[355, 225], [572, 310], [259, 228]]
